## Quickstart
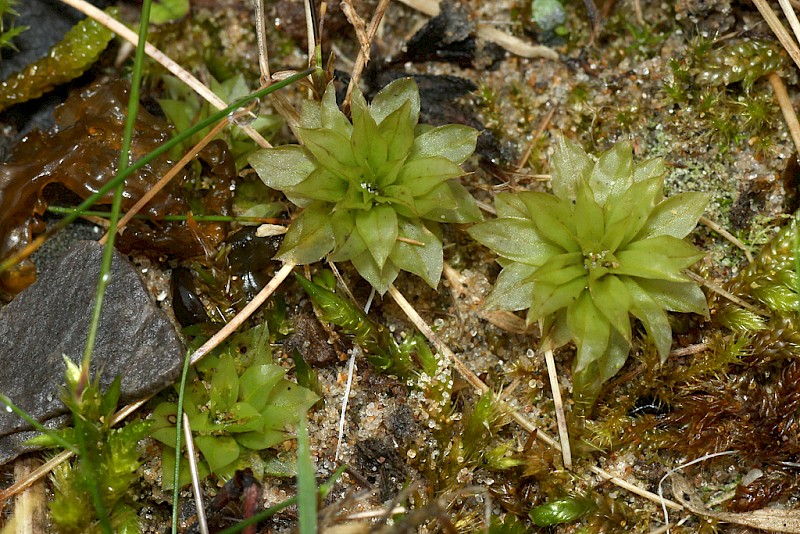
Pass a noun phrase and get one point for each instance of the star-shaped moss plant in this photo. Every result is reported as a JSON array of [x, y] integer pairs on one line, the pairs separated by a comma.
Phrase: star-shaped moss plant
[[372, 190], [604, 246]]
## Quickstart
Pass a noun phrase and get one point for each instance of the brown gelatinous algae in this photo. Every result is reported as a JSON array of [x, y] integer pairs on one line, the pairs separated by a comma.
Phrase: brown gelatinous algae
[[82, 153]]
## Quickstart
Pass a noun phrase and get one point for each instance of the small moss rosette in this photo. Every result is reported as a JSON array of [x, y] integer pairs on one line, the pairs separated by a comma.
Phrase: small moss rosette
[[372, 190], [605, 245]]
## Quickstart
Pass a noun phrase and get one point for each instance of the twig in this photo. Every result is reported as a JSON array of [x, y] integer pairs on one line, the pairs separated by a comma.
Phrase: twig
[[521, 420], [158, 186], [787, 109], [361, 59], [727, 235], [198, 492], [120, 29]]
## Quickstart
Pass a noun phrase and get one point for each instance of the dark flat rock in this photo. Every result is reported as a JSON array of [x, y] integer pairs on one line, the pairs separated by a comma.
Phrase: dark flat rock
[[51, 318]]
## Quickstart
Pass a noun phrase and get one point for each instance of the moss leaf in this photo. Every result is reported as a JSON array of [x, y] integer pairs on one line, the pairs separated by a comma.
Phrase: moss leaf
[[393, 96], [590, 330], [570, 165], [676, 216], [283, 166], [310, 237], [516, 239], [218, 451], [512, 290], [423, 260], [378, 227], [452, 141]]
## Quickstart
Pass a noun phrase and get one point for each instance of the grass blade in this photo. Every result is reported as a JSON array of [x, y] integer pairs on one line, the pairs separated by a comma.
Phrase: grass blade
[[306, 482], [176, 490]]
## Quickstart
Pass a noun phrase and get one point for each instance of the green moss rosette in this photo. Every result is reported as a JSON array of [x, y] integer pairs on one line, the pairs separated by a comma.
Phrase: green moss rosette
[[604, 246], [373, 190]]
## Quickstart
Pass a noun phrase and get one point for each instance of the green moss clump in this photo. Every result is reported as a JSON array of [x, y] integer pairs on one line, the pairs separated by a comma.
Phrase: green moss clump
[[67, 60]]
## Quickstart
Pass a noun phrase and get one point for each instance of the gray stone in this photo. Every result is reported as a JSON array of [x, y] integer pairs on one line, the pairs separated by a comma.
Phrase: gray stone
[[51, 318]]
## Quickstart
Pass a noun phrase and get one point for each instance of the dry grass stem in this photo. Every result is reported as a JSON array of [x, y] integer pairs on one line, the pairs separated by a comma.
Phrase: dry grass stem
[[516, 46], [351, 371], [716, 288], [342, 284], [536, 136], [30, 506], [508, 321], [196, 489], [33, 476], [158, 186], [727, 235], [361, 59], [779, 30], [697, 348], [791, 16], [521, 420], [637, 10], [785, 103], [561, 418], [311, 33], [261, 40], [243, 315], [358, 25], [120, 29]]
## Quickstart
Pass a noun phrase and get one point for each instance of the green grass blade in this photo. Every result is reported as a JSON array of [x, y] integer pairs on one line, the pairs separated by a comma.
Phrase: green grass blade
[[89, 463], [36, 424], [63, 210], [178, 424], [306, 482], [124, 162]]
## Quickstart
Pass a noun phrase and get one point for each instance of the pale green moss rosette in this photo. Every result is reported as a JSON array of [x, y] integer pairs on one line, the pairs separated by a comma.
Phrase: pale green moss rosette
[[372, 191], [605, 245]]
